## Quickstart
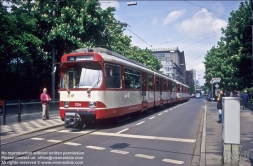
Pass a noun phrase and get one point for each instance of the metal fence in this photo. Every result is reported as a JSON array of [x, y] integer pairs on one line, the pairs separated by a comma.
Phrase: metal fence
[[17, 110]]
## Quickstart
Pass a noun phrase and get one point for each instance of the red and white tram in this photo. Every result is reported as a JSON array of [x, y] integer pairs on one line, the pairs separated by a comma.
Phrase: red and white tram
[[97, 83]]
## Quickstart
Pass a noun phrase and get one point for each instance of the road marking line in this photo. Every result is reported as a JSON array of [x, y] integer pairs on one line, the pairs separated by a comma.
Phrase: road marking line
[[36, 138], [122, 131], [119, 151], [166, 111], [140, 123], [53, 140], [145, 156], [152, 117], [145, 137], [72, 143], [173, 161], [170, 109], [160, 114], [174, 107], [95, 147], [85, 132], [51, 130], [65, 131]]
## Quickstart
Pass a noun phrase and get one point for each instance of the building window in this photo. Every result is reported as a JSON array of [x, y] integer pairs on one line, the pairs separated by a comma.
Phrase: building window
[[166, 68], [168, 62]]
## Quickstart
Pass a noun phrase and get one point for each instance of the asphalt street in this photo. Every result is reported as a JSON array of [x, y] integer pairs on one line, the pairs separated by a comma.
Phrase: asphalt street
[[166, 136]]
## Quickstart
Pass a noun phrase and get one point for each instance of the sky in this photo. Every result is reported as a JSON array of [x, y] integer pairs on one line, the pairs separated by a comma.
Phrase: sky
[[192, 26]]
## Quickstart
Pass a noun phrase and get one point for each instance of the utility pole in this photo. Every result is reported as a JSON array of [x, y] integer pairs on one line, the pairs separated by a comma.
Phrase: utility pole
[[53, 56], [252, 39]]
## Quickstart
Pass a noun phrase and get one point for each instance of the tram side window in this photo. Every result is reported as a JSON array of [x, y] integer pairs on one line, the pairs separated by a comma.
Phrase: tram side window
[[129, 78], [112, 76], [164, 85], [132, 78], [158, 84], [150, 82], [173, 87], [179, 88], [169, 86], [136, 79]]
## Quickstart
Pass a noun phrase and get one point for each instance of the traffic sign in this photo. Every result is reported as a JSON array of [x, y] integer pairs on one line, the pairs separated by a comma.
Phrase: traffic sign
[[216, 86], [217, 79]]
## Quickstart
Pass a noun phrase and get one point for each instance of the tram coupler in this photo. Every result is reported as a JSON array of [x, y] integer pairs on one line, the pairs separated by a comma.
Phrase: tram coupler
[[71, 119]]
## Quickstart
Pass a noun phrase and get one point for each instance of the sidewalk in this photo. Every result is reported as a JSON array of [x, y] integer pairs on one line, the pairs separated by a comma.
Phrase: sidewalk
[[32, 124], [213, 142]]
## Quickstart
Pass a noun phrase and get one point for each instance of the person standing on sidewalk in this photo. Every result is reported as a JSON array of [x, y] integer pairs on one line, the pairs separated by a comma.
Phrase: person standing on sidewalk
[[45, 99], [219, 105], [245, 100]]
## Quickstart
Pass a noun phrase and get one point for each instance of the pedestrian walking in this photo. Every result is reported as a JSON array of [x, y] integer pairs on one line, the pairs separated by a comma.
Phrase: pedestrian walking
[[45, 99], [219, 106], [245, 100]]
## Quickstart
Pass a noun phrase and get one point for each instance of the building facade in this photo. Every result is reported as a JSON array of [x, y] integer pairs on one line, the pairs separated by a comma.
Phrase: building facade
[[190, 78], [173, 62]]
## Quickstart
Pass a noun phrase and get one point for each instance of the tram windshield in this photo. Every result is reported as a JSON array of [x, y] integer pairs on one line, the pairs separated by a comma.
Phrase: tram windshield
[[82, 76]]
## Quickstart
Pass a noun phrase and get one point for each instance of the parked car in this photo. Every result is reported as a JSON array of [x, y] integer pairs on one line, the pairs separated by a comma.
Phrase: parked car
[[1, 106]]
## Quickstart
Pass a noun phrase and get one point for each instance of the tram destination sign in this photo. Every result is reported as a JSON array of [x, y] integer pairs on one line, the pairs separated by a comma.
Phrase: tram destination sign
[[80, 58]]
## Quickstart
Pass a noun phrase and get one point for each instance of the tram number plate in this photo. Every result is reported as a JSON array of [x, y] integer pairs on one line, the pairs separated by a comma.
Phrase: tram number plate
[[78, 104]]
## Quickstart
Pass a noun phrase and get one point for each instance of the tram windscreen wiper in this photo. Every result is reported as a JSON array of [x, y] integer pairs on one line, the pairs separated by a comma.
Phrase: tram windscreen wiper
[[93, 85]]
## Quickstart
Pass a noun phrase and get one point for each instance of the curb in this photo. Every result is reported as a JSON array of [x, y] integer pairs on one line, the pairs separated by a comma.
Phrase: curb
[[32, 131], [203, 143]]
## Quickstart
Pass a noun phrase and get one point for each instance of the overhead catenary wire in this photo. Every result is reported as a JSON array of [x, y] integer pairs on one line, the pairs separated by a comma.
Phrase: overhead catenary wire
[[206, 8], [200, 41], [140, 38], [185, 38]]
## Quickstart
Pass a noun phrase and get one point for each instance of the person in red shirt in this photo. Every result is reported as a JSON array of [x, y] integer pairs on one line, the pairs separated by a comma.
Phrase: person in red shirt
[[45, 98]]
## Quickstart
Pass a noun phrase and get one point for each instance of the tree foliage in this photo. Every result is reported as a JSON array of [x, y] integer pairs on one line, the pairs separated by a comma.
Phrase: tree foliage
[[231, 58], [31, 28]]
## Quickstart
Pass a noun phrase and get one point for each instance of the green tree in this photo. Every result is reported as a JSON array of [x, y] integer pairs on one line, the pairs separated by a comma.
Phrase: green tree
[[19, 49], [65, 24], [231, 58]]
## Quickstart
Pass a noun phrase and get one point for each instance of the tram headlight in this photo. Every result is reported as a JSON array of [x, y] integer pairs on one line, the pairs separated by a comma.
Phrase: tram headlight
[[92, 104], [66, 104]]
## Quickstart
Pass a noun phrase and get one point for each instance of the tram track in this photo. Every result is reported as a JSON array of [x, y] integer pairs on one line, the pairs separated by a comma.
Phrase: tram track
[[80, 134], [29, 137]]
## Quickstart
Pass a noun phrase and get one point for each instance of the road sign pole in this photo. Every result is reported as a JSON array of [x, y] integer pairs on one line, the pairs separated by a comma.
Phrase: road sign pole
[[212, 92]]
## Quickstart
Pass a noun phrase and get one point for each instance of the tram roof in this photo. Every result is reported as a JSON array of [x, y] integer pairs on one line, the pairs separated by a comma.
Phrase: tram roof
[[109, 52]]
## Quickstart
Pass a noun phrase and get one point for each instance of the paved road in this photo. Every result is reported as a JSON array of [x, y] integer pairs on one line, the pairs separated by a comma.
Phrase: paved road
[[163, 137]]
